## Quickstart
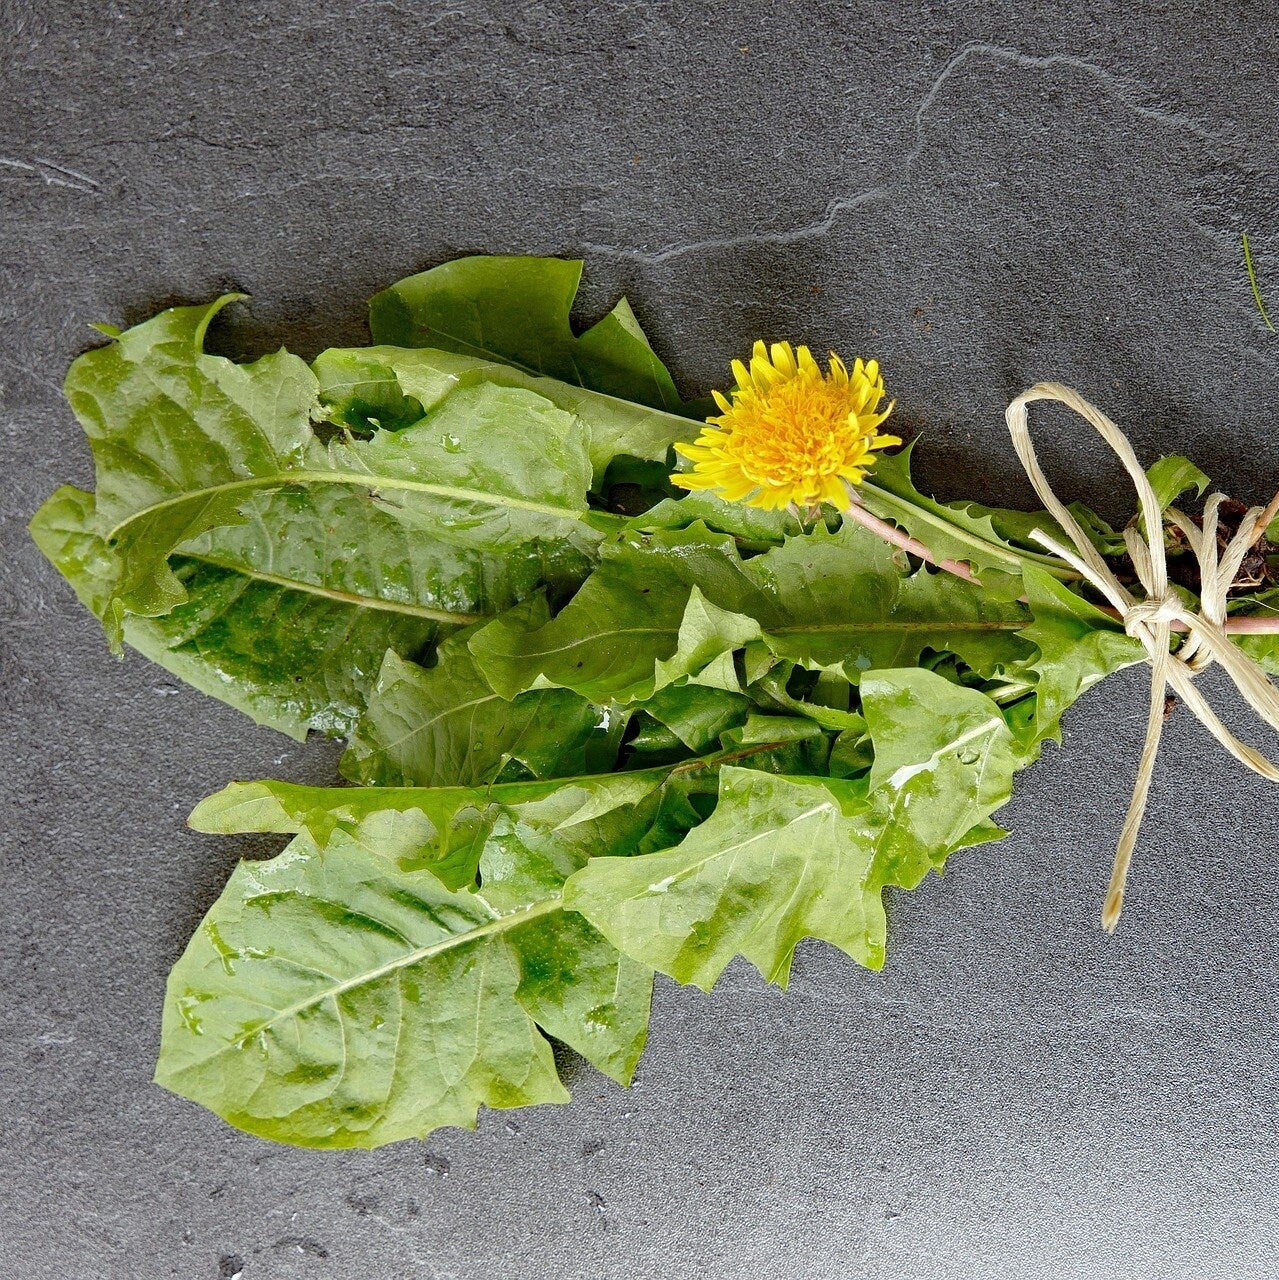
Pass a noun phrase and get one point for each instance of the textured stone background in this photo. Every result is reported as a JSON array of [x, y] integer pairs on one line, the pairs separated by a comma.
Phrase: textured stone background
[[982, 195]]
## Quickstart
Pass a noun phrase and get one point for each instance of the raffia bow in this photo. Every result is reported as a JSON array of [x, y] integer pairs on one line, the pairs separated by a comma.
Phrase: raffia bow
[[1151, 620]]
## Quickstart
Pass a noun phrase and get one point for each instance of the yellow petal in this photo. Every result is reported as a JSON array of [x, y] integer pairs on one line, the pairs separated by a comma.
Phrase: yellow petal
[[790, 433], [691, 480], [783, 358]]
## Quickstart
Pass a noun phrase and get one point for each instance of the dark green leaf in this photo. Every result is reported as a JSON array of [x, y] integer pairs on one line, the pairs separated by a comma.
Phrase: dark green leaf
[[680, 604], [606, 643], [750, 524], [183, 440], [771, 692], [698, 715], [288, 616], [842, 601], [175, 433], [1172, 476], [447, 727], [516, 310]]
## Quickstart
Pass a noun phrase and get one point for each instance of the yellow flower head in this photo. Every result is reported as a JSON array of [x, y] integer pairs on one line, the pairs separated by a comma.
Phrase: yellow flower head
[[791, 435]]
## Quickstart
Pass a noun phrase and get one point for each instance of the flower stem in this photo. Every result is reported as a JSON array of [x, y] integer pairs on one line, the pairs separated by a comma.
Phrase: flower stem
[[1253, 624], [900, 538], [869, 494]]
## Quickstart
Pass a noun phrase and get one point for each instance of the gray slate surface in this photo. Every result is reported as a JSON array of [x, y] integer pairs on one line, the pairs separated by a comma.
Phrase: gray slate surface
[[981, 195]]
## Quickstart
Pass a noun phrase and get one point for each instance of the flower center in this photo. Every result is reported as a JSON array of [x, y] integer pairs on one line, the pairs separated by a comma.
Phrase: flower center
[[801, 430]]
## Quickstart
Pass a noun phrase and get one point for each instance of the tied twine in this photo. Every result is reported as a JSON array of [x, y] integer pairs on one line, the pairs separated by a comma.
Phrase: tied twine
[[1150, 620]]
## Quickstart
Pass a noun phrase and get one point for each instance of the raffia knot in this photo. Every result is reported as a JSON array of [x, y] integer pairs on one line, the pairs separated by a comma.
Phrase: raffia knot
[[1150, 618], [1143, 618]]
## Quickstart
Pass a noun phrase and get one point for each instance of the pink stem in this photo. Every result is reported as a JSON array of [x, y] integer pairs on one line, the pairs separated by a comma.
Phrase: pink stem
[[1265, 624], [1256, 624], [900, 538]]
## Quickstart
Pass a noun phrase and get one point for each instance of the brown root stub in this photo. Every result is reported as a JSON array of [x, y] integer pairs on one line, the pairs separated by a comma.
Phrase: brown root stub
[[1256, 572]]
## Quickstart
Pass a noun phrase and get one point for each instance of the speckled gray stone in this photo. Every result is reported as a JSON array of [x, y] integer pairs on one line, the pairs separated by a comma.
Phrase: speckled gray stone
[[981, 195]]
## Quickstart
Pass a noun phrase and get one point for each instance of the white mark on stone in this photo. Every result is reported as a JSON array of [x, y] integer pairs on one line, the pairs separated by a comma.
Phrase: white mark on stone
[[1113, 85]]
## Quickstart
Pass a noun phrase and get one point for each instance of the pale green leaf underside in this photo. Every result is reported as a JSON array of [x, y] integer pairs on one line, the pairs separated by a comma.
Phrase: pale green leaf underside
[[331, 999], [785, 858]]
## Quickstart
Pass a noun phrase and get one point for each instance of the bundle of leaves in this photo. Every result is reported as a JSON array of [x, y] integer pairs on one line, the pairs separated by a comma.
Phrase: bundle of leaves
[[596, 729]]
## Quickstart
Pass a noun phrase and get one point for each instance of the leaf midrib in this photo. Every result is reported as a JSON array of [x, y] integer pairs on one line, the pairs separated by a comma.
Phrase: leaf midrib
[[906, 624], [511, 919], [686, 426], [887, 624], [377, 603], [732, 850], [307, 475], [944, 625], [988, 726]]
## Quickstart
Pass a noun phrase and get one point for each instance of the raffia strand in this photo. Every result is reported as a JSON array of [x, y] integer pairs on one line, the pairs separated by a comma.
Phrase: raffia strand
[[1152, 618]]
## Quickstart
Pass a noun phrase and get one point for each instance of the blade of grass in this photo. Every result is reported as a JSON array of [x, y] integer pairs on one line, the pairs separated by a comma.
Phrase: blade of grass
[[1252, 280]]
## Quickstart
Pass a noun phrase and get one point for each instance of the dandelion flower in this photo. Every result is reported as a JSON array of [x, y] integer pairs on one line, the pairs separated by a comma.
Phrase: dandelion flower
[[791, 435]]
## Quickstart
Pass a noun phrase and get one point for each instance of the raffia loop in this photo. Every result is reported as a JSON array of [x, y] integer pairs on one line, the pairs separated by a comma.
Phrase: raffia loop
[[1151, 618]]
